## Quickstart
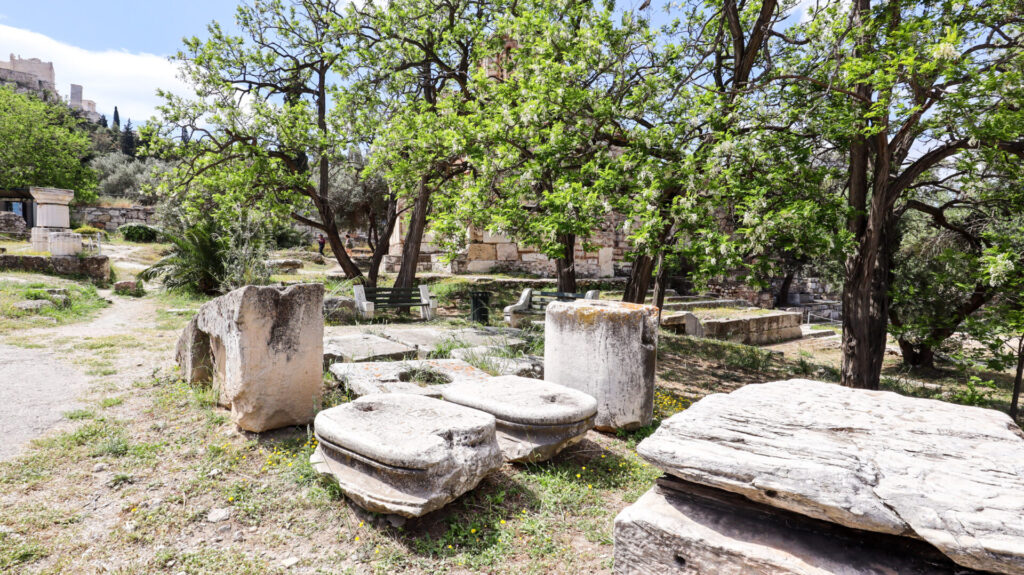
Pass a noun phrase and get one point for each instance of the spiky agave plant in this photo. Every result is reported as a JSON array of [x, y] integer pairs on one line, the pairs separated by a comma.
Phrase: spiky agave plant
[[195, 262]]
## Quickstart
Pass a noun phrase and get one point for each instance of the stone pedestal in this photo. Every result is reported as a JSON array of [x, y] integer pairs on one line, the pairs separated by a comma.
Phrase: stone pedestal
[[40, 238], [606, 349], [65, 244]]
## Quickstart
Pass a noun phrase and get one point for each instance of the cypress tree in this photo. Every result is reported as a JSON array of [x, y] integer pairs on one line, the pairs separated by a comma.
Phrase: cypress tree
[[103, 120], [117, 120], [128, 142]]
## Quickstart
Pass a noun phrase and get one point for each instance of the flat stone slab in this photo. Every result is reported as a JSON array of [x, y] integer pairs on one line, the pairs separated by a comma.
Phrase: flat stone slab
[[33, 305], [364, 347], [535, 419], [405, 454], [667, 531], [496, 362], [428, 339], [401, 376], [877, 461]]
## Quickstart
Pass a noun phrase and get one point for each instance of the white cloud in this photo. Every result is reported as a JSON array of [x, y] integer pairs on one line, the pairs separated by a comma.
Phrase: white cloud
[[110, 78]]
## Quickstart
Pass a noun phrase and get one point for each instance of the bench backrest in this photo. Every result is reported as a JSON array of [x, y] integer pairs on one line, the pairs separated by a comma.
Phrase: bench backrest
[[393, 297], [541, 299]]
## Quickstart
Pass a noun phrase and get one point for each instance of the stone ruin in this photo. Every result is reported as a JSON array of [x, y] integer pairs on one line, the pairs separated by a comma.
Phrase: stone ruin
[[607, 350], [262, 347], [807, 477]]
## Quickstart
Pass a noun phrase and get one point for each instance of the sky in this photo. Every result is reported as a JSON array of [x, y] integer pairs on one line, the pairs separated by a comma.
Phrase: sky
[[116, 49]]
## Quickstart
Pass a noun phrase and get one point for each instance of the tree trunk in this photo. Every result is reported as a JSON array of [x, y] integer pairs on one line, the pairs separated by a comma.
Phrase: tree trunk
[[565, 266], [782, 298], [1017, 380], [383, 244], [413, 239], [660, 282], [639, 279], [917, 354]]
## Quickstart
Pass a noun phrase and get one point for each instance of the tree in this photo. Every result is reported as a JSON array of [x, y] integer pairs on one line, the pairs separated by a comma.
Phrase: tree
[[901, 86], [535, 161], [116, 125], [43, 145], [103, 120], [262, 128], [128, 140], [421, 54]]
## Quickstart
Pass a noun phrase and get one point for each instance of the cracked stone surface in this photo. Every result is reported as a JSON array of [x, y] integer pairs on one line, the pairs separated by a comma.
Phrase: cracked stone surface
[[405, 454], [399, 376], [949, 474], [427, 339]]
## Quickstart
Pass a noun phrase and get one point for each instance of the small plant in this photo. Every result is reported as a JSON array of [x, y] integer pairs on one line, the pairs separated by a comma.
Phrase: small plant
[[975, 393], [424, 376], [138, 233], [89, 231]]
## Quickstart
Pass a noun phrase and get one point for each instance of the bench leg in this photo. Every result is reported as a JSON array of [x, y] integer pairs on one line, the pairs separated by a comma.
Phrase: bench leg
[[367, 310]]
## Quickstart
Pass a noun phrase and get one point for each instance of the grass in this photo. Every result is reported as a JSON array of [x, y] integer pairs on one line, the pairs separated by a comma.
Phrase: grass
[[721, 313], [82, 301]]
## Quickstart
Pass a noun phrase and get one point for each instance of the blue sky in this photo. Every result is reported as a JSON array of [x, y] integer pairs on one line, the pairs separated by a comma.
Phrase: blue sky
[[116, 49]]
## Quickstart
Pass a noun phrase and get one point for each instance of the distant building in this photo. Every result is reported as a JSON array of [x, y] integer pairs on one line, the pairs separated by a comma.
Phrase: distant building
[[33, 76], [30, 75]]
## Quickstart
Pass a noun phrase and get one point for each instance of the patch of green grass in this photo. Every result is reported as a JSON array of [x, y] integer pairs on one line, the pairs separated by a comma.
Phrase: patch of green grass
[[111, 402], [17, 549], [732, 355], [82, 302], [79, 414]]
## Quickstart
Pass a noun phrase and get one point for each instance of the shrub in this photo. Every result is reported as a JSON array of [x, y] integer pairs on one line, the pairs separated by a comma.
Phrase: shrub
[[139, 233], [89, 231], [195, 261]]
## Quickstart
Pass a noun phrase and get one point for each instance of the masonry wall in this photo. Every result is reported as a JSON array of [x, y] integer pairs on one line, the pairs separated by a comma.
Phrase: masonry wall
[[110, 219], [491, 253]]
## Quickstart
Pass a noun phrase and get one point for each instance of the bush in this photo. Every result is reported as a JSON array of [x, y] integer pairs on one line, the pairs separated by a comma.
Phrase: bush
[[139, 233], [89, 231]]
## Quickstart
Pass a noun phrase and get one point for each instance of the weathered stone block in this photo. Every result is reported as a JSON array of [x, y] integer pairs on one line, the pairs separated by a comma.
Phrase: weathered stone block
[[480, 266], [535, 419], [405, 454], [608, 350], [481, 252], [507, 252], [267, 348], [875, 461], [687, 533], [193, 355], [364, 347]]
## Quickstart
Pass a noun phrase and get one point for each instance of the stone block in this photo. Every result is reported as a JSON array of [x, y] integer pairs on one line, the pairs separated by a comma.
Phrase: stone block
[[481, 252], [339, 308], [534, 257], [480, 266], [489, 238], [194, 355], [364, 347], [608, 350], [419, 377], [672, 532], [267, 348], [875, 461], [507, 252], [535, 419], [405, 454]]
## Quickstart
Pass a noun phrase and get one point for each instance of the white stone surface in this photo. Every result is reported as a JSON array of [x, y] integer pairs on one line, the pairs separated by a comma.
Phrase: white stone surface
[[948, 474], [267, 348], [535, 419], [666, 533], [607, 350], [427, 339], [364, 347], [398, 376], [65, 244], [405, 454], [495, 361]]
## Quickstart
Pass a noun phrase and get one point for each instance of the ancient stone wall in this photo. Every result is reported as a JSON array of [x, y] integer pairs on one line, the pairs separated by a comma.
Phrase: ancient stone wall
[[492, 253], [29, 75], [110, 219], [93, 267]]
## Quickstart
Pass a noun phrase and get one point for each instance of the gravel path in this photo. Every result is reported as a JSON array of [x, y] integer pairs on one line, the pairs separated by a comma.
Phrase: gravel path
[[35, 391]]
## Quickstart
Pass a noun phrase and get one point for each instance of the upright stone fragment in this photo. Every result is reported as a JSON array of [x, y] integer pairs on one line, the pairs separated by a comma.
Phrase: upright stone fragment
[[267, 349], [535, 419], [876, 461], [405, 454], [605, 349], [193, 354]]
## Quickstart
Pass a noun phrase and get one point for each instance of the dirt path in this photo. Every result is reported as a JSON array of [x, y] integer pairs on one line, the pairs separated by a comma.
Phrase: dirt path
[[39, 384]]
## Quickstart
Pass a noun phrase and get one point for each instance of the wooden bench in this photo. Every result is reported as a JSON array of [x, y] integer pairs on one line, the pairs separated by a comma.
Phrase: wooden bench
[[533, 303], [369, 299]]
